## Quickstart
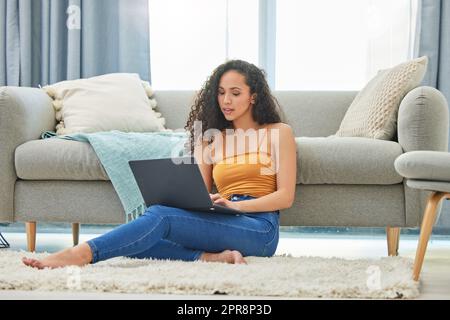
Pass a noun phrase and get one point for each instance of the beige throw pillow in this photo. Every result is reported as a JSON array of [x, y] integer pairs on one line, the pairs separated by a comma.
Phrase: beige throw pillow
[[118, 101], [373, 113]]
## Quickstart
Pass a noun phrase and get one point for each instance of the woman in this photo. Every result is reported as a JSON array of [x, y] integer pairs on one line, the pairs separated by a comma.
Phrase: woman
[[257, 178]]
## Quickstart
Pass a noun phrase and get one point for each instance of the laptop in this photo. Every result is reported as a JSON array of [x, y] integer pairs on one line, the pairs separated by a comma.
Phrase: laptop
[[176, 183]]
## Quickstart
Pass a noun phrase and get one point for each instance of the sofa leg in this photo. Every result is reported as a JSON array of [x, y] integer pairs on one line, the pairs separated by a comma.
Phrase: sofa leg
[[426, 227], [31, 236], [75, 233], [393, 237]]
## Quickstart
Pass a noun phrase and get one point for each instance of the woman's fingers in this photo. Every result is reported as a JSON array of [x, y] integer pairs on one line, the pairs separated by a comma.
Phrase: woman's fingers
[[220, 201], [214, 196]]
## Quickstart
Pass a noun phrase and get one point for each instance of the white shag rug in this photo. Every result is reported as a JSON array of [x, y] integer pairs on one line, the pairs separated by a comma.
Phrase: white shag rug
[[280, 276]]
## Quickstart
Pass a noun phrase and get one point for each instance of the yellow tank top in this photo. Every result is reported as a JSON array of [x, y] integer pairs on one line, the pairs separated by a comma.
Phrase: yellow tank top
[[251, 173]]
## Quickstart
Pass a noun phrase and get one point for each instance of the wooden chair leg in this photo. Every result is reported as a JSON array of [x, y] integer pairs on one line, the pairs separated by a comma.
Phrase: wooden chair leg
[[428, 221], [31, 236], [75, 233], [393, 237]]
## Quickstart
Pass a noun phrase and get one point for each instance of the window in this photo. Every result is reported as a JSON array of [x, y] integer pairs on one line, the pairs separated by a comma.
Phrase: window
[[189, 38], [340, 45], [319, 44]]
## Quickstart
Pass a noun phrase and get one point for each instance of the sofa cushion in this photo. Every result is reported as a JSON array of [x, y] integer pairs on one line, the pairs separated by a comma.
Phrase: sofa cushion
[[116, 101], [373, 113], [58, 159], [349, 160], [331, 160]]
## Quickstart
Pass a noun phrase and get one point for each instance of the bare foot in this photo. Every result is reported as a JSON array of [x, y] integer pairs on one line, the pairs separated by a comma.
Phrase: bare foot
[[76, 256], [228, 256]]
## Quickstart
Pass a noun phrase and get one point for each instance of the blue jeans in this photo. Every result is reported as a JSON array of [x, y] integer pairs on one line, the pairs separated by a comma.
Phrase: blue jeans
[[176, 234]]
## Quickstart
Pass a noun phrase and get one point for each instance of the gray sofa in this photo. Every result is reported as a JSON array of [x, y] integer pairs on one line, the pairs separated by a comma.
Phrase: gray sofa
[[341, 181]]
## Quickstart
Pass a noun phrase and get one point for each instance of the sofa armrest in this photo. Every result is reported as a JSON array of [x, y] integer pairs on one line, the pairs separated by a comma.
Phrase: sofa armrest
[[423, 120], [24, 114]]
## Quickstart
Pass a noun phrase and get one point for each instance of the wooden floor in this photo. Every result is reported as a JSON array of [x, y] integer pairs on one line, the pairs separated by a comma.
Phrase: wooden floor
[[435, 278]]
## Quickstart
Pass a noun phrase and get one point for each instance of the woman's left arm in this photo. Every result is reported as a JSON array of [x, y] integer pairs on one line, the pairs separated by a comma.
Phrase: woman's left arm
[[286, 167]]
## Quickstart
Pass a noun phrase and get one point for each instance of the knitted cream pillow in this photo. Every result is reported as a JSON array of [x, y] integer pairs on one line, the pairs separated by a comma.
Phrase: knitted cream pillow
[[373, 113], [117, 101]]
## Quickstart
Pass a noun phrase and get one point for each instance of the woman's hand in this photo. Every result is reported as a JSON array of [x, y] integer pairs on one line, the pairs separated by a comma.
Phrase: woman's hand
[[217, 199], [214, 196]]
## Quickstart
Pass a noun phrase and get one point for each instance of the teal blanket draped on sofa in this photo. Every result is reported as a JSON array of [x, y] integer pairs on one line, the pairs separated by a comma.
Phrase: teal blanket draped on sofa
[[115, 149]]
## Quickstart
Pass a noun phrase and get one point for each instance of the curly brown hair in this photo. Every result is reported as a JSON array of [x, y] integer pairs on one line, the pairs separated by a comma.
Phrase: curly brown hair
[[206, 105]]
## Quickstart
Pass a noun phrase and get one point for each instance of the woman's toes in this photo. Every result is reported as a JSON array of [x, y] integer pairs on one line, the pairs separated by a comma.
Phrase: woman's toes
[[27, 261], [238, 258], [33, 263]]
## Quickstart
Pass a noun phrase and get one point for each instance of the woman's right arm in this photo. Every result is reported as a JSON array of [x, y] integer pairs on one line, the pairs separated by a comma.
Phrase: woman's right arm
[[202, 154]]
